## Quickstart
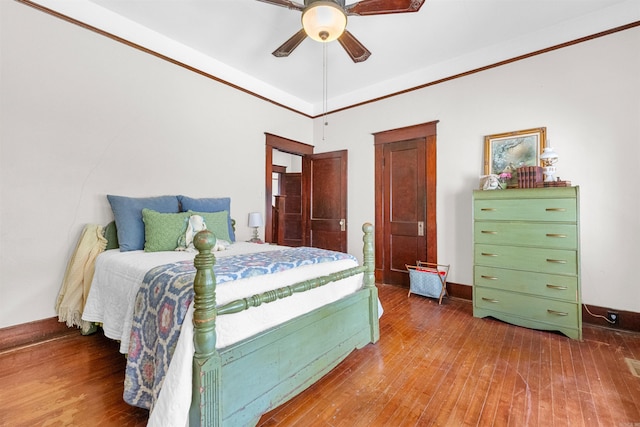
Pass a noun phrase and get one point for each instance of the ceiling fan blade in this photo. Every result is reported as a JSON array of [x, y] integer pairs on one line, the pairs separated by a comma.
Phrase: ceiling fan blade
[[354, 48], [285, 3], [288, 46], [381, 7]]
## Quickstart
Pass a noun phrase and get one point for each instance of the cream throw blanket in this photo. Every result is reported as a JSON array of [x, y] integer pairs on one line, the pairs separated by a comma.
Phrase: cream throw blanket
[[78, 277]]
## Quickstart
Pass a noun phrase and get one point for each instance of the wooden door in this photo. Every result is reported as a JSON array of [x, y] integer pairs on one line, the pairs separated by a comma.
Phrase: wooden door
[[325, 200], [405, 201], [291, 187]]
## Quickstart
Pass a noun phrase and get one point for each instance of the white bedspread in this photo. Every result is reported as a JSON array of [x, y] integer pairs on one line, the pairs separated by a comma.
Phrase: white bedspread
[[119, 275]]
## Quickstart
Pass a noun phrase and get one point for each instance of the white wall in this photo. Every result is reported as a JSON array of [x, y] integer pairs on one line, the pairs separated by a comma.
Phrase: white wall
[[83, 116], [292, 162], [588, 98]]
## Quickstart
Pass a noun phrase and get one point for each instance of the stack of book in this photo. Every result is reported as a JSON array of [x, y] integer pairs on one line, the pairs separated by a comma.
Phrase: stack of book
[[557, 183], [530, 177]]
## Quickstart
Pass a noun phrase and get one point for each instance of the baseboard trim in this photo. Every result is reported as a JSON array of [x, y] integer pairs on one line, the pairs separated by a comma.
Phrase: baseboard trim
[[46, 329], [456, 290], [629, 320], [33, 332], [594, 315]]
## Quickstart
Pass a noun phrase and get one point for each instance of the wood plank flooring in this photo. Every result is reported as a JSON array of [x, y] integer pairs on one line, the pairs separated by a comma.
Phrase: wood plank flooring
[[434, 365]]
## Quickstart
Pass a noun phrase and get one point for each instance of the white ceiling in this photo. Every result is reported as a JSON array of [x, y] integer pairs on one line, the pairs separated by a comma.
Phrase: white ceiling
[[233, 40]]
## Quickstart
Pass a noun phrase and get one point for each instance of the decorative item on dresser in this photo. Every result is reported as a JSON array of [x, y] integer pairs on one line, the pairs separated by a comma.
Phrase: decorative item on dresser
[[530, 177], [505, 152], [549, 158], [527, 258]]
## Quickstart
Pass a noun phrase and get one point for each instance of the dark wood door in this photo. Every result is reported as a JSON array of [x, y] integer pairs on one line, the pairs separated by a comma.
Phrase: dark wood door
[[405, 214], [325, 195], [291, 187], [405, 201]]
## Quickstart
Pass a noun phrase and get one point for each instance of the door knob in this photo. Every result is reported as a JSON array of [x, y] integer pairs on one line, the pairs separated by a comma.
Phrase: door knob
[[342, 224]]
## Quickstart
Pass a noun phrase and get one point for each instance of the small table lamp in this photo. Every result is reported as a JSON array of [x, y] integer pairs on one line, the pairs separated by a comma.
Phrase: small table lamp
[[255, 221], [548, 159]]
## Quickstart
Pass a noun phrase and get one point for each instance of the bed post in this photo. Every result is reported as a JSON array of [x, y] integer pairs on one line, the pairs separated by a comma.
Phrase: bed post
[[205, 409], [369, 279]]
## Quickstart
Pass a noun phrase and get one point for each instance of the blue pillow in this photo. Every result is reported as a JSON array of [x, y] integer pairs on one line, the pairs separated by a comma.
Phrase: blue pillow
[[127, 212], [209, 205]]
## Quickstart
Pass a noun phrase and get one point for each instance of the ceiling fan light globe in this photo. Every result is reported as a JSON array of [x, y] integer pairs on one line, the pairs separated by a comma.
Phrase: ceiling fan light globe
[[324, 21]]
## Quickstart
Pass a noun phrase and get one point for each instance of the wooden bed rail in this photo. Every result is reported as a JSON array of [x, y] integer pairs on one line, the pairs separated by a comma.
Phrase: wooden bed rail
[[207, 362], [286, 291]]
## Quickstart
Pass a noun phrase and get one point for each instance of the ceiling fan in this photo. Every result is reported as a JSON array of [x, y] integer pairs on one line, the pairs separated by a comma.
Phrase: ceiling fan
[[326, 20]]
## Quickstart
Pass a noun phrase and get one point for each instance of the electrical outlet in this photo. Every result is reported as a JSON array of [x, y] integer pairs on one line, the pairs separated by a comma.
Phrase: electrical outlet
[[613, 317]]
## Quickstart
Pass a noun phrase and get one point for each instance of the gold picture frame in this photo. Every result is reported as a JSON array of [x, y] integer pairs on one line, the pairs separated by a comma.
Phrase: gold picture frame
[[505, 152]]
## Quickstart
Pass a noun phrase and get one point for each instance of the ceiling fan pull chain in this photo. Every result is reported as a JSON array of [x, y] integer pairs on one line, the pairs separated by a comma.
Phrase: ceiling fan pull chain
[[324, 88]]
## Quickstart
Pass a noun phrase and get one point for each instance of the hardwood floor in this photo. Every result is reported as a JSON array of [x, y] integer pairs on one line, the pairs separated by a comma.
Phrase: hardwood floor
[[433, 365]]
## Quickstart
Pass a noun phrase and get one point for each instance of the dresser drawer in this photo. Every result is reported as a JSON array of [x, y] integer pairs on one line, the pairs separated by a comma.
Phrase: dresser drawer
[[533, 308], [539, 284], [547, 235], [561, 210], [554, 261]]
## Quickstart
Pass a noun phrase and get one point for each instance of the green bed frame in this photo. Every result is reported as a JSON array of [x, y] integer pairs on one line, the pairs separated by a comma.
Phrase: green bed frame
[[235, 386]]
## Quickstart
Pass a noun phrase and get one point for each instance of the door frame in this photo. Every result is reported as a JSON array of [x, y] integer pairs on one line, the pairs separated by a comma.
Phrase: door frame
[[426, 131], [285, 145]]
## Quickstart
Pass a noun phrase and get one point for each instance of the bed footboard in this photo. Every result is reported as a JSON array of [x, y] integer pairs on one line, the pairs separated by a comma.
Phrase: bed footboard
[[236, 385], [206, 360]]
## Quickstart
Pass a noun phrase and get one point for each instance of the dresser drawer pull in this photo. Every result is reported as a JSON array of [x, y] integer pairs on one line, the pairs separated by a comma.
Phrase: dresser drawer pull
[[488, 254], [557, 313], [488, 232], [555, 210], [489, 277], [557, 261], [490, 300], [562, 236], [488, 209], [558, 287]]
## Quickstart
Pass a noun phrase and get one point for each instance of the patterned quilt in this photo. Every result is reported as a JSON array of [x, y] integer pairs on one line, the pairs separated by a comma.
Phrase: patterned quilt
[[162, 302]]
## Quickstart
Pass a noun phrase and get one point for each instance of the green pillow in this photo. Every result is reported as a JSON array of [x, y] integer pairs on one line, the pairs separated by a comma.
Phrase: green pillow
[[110, 233], [162, 230], [217, 223]]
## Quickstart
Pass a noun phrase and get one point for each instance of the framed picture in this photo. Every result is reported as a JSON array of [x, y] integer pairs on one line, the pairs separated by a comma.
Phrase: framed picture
[[505, 152]]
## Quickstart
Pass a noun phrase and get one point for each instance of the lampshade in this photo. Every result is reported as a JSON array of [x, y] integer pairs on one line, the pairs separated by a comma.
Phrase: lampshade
[[548, 159], [255, 219], [324, 21], [548, 156]]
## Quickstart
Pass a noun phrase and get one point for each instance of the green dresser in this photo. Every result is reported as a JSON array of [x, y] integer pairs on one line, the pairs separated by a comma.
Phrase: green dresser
[[527, 258]]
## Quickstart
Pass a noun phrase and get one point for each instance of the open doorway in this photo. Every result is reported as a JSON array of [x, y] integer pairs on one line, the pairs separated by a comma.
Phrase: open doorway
[[285, 151], [323, 195], [287, 198]]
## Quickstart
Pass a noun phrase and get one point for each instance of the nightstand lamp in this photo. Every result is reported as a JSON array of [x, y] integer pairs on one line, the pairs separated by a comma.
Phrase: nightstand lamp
[[255, 221], [548, 158]]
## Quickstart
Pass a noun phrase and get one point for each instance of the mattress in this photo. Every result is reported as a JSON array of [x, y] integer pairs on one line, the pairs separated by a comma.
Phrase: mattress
[[118, 276]]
